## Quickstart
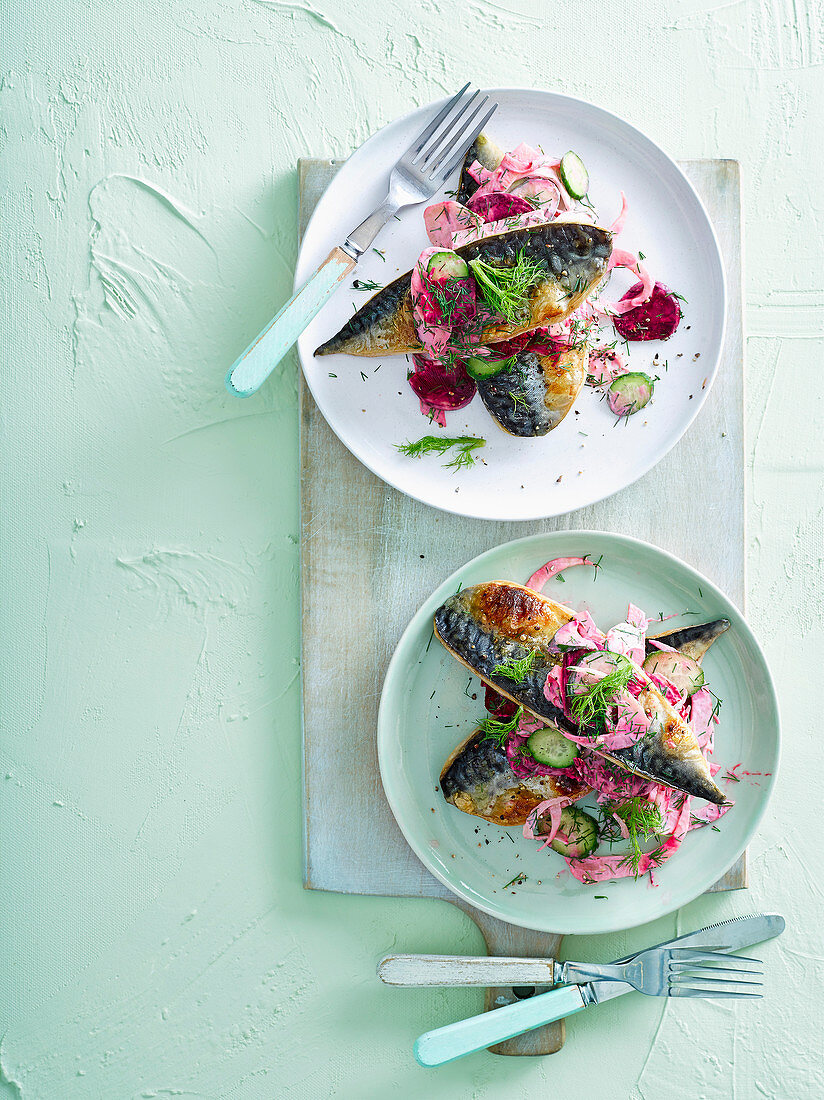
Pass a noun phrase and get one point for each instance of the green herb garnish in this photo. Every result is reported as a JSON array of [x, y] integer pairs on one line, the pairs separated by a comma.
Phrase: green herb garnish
[[366, 284], [590, 707], [516, 668], [498, 730], [519, 879], [643, 820], [440, 444], [505, 289]]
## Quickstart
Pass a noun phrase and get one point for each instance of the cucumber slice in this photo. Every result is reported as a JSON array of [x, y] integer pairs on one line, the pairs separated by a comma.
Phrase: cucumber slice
[[577, 835], [447, 265], [685, 674], [574, 175], [549, 746], [629, 393], [479, 369]]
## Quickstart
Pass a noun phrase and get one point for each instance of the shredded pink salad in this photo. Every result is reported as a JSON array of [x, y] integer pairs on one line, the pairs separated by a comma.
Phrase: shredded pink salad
[[529, 188], [578, 644]]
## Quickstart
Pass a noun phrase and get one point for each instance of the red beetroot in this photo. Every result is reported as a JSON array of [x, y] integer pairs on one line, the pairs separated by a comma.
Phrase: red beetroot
[[498, 705], [655, 319], [441, 386], [498, 205]]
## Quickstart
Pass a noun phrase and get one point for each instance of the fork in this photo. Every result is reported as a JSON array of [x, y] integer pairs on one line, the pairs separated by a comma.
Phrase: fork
[[422, 170], [657, 972]]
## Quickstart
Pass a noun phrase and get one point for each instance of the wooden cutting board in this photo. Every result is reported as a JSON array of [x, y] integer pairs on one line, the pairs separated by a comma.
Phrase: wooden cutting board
[[370, 556]]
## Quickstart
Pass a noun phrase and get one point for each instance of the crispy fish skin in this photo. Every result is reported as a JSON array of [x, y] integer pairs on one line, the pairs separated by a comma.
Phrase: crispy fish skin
[[574, 254], [491, 624], [692, 641], [478, 780], [536, 394], [486, 152], [483, 623]]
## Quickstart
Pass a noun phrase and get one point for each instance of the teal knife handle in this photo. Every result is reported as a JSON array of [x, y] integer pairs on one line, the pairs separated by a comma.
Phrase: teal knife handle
[[252, 369], [445, 1044]]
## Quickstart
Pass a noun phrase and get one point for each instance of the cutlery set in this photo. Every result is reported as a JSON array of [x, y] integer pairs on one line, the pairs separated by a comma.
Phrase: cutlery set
[[700, 964]]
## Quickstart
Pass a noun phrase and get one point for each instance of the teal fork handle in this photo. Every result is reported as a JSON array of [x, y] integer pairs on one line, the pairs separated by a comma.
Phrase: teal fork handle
[[445, 1044], [252, 369]]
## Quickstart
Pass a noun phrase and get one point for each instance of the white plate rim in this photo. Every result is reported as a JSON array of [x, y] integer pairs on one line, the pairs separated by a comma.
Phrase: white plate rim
[[397, 664], [446, 504]]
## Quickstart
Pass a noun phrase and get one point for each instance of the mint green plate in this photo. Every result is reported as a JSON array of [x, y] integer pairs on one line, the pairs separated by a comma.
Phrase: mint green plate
[[429, 704]]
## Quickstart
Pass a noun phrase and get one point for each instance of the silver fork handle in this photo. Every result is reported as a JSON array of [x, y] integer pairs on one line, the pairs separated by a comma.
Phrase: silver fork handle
[[422, 970], [362, 236]]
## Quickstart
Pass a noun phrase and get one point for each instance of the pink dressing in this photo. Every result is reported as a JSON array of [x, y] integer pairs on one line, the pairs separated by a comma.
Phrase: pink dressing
[[444, 220], [622, 258], [618, 224], [551, 569], [605, 365]]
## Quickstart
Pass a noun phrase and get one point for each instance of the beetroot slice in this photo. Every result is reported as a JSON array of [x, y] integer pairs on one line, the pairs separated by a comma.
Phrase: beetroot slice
[[507, 348], [655, 319], [439, 386], [498, 205], [498, 705]]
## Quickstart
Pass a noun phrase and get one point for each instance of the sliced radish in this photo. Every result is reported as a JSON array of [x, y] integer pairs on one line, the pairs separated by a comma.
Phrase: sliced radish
[[538, 190]]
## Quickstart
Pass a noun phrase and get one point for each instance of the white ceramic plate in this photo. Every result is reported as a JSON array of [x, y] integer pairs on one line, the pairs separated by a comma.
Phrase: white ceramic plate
[[427, 707], [587, 457]]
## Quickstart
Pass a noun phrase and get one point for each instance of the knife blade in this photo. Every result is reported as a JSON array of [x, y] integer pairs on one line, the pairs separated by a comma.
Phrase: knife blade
[[727, 935]]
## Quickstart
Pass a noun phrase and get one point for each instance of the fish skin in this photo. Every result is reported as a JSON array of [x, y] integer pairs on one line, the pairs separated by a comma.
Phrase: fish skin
[[489, 154], [546, 387], [478, 780], [491, 623], [691, 641], [574, 253], [488, 624]]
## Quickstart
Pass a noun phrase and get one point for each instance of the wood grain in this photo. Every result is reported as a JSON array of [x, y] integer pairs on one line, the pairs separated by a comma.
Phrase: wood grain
[[368, 548]]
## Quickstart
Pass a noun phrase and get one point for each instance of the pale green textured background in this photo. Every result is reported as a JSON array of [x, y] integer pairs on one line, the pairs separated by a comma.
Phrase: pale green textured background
[[156, 940]]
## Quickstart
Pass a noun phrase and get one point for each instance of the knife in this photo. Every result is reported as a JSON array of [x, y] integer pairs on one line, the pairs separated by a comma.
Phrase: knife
[[445, 1044]]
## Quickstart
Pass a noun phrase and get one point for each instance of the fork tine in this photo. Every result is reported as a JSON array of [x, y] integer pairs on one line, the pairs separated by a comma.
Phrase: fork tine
[[457, 139], [428, 130], [694, 978], [713, 993], [461, 153], [677, 968], [443, 141]]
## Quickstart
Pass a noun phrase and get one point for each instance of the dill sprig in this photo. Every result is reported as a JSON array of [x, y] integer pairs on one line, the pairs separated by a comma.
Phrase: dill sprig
[[590, 707], [505, 289], [516, 668], [499, 730], [519, 880], [366, 284], [440, 444], [643, 820]]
